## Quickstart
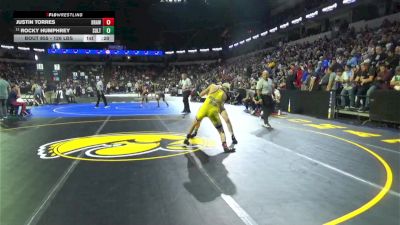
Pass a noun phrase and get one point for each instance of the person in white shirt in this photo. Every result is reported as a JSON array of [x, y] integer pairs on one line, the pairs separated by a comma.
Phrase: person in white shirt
[[186, 86], [108, 87], [69, 93], [265, 91], [129, 86], [100, 94], [347, 92]]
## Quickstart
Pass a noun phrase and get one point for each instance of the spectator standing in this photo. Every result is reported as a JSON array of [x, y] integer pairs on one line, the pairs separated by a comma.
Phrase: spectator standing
[[49, 91], [78, 90], [4, 90]]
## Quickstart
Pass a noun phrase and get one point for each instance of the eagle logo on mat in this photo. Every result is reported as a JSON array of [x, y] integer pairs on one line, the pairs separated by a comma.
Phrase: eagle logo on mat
[[121, 147]]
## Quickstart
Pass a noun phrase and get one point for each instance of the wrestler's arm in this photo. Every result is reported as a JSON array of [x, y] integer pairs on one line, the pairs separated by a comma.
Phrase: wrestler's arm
[[206, 91]]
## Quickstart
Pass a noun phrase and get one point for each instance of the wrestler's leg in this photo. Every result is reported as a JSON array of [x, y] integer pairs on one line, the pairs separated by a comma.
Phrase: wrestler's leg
[[195, 125], [225, 116]]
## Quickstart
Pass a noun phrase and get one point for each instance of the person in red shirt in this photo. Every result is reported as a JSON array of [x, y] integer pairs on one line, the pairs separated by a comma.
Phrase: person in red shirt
[[299, 75]]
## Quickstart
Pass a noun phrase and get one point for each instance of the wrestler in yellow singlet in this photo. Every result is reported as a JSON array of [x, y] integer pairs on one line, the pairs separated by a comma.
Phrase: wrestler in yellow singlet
[[211, 106], [216, 97], [225, 116]]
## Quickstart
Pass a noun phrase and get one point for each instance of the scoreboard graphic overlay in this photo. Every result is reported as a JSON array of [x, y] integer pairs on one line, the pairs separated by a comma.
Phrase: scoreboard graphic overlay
[[47, 26]]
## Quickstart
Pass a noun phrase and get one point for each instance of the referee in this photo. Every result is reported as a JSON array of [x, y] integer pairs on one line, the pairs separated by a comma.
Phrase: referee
[[100, 94], [186, 85], [265, 90]]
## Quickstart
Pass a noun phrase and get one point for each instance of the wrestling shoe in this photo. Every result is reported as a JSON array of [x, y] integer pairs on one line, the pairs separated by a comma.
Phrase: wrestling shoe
[[107, 106], [194, 134], [186, 142], [267, 125], [225, 147], [234, 141]]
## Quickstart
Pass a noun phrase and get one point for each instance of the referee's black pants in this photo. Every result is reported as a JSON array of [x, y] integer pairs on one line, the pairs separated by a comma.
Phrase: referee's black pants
[[100, 94], [186, 95], [267, 106]]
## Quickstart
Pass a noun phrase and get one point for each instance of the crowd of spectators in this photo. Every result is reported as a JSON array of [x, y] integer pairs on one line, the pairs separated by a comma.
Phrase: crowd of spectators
[[351, 64]]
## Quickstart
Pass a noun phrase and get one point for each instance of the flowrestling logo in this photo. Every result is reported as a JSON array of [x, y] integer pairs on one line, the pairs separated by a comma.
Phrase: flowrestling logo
[[120, 147]]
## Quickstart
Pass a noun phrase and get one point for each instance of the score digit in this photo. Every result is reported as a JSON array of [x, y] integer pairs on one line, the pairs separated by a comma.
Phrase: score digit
[[108, 21], [108, 30]]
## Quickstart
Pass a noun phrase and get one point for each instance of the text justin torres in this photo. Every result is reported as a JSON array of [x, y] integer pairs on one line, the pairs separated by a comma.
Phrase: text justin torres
[[35, 22]]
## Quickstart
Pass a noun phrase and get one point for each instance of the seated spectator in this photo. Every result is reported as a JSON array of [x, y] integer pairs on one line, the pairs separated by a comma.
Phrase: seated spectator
[[381, 81], [347, 93], [314, 77], [310, 74], [392, 60], [195, 94], [334, 65], [108, 87], [290, 80], [69, 94], [129, 86], [248, 100], [90, 91], [395, 82], [277, 99], [353, 61], [379, 56], [256, 106], [236, 99], [83, 91], [305, 79], [14, 99], [331, 79], [37, 93], [323, 83], [366, 79], [337, 83]]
